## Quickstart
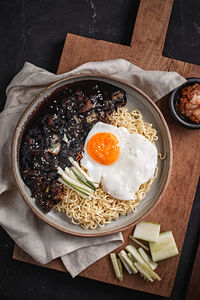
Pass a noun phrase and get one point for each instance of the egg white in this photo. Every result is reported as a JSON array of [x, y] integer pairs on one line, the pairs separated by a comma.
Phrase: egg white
[[135, 165]]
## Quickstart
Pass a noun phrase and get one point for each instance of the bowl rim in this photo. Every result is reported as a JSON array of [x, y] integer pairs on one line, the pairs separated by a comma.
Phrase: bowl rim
[[81, 77], [175, 114]]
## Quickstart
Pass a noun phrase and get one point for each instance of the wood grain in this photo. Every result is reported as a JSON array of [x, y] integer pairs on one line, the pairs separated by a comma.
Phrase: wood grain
[[151, 25], [175, 206], [103, 50]]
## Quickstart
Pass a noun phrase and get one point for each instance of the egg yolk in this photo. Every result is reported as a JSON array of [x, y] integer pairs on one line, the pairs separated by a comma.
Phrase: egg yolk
[[103, 147]]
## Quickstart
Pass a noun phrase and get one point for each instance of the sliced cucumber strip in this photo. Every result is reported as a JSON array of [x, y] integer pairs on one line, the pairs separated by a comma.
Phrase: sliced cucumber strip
[[83, 173], [120, 269], [129, 262], [149, 270], [126, 266], [80, 192], [82, 179], [139, 243], [115, 264], [131, 257], [74, 182], [76, 186], [147, 231], [70, 173], [142, 262], [134, 252], [142, 272], [164, 248], [147, 258], [77, 179]]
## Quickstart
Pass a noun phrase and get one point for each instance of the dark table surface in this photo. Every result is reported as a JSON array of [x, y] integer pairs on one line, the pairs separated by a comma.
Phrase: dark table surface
[[35, 31]]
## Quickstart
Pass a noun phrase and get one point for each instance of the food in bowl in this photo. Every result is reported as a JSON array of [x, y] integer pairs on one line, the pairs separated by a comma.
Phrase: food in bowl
[[189, 102], [57, 133], [119, 160], [119, 192], [57, 129]]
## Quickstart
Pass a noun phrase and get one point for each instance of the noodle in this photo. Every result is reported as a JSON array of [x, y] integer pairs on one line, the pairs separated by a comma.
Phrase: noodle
[[133, 121], [162, 157], [101, 208]]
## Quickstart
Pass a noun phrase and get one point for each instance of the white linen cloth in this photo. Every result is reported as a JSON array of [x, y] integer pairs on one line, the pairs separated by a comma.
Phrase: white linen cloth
[[41, 241]]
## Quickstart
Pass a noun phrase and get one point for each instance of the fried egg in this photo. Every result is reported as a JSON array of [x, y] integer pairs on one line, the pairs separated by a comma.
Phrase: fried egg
[[120, 161]]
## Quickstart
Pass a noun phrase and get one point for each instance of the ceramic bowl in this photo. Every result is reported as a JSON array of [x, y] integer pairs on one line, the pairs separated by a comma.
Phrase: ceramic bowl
[[173, 105], [136, 99]]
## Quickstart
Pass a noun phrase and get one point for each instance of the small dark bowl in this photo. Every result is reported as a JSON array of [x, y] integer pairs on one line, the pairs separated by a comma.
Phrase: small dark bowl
[[174, 100]]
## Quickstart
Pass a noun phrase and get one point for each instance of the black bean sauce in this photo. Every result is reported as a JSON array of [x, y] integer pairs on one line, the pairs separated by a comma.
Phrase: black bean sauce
[[58, 129]]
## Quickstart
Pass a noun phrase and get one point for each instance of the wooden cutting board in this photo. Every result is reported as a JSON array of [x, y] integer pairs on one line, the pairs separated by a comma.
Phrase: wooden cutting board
[[175, 206]]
